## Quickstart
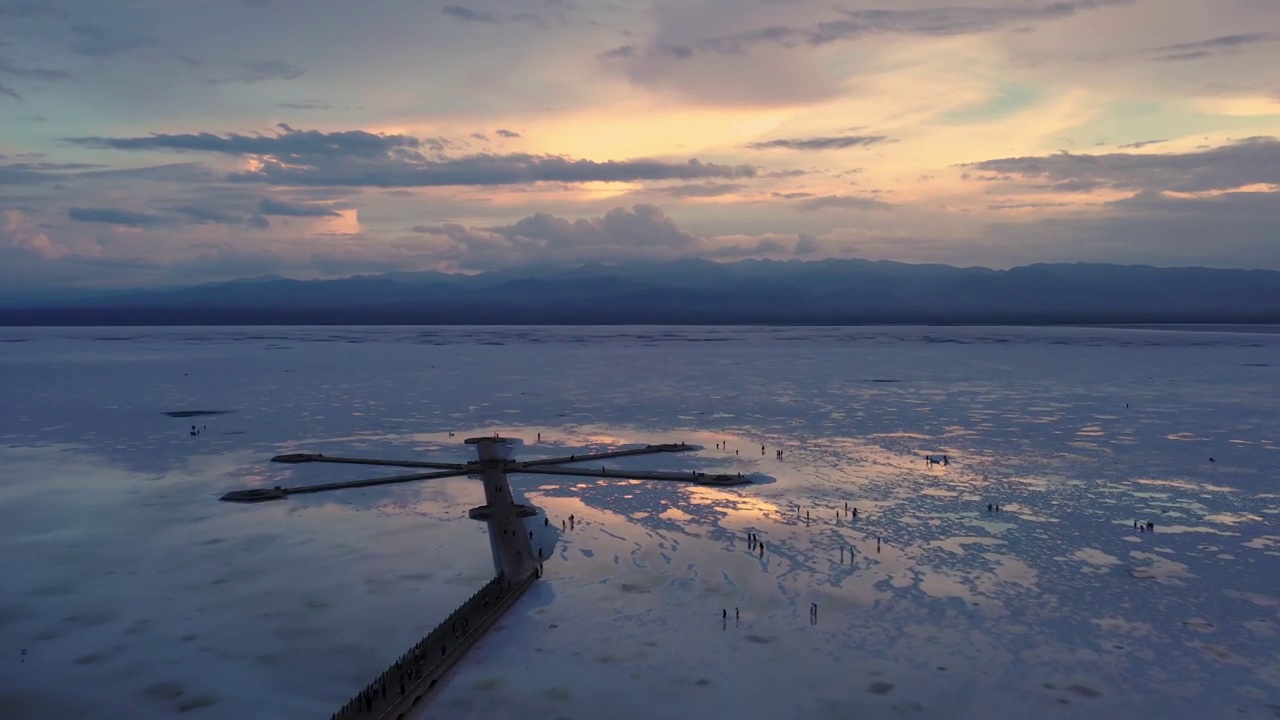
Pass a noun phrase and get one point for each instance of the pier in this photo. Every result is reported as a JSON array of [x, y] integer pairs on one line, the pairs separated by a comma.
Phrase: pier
[[408, 685]]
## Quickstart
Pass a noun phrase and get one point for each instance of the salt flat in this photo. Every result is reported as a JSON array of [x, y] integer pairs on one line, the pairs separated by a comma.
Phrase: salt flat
[[135, 594]]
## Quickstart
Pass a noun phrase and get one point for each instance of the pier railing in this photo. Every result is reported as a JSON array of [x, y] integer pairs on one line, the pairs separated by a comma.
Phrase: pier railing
[[413, 674]]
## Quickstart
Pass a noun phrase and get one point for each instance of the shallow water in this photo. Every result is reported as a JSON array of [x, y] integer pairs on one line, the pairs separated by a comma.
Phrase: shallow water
[[135, 594]]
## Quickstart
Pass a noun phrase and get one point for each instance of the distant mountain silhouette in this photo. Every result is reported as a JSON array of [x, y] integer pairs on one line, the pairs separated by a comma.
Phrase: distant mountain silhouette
[[700, 292]]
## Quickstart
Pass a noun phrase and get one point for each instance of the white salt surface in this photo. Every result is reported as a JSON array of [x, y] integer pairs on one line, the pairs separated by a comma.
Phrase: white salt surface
[[135, 594]]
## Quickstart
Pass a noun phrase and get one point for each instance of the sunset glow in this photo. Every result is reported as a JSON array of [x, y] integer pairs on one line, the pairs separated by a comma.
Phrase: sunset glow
[[995, 134]]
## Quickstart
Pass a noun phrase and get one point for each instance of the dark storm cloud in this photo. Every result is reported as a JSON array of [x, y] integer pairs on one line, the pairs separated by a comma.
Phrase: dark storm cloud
[[1245, 162], [842, 202], [703, 190], [267, 206], [856, 24], [1224, 44], [359, 159], [837, 142], [114, 217]]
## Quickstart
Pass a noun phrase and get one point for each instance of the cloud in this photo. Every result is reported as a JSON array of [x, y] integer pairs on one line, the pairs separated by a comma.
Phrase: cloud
[[483, 17], [466, 14], [113, 217], [837, 142], [268, 206], [806, 245], [506, 133], [287, 143], [96, 41], [263, 71], [737, 249], [32, 73], [30, 173], [201, 215], [791, 195], [642, 232], [856, 24], [19, 232], [360, 159], [313, 105], [842, 202], [703, 190], [1224, 44], [1141, 144], [22, 9], [483, 170], [9, 92], [1233, 229], [1239, 164]]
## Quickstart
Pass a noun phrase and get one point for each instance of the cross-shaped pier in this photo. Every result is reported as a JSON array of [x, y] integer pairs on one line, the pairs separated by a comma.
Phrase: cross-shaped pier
[[402, 688]]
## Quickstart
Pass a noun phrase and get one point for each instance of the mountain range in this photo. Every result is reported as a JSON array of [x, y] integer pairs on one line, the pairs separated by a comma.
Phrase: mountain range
[[697, 292]]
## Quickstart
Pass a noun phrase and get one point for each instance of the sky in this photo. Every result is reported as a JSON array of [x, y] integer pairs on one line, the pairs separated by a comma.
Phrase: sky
[[171, 142]]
